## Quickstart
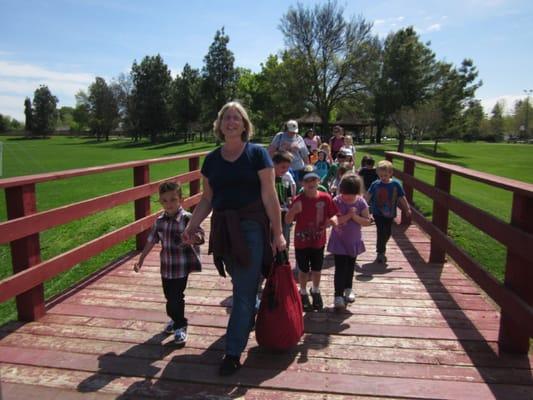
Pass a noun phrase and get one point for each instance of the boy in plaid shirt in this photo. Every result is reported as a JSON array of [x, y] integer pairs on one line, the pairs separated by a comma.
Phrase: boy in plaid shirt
[[177, 258]]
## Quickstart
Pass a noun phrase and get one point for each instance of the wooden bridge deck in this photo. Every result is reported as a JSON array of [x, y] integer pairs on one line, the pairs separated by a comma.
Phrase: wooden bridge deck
[[416, 330]]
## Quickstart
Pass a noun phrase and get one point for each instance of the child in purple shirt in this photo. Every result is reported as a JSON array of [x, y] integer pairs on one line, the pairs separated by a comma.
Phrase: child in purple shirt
[[346, 242]]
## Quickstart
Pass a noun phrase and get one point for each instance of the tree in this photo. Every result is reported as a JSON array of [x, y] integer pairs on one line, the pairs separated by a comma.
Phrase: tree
[[122, 88], [4, 123], [522, 118], [496, 121], [335, 53], [80, 114], [185, 102], [103, 109], [473, 117], [151, 97], [28, 114], [44, 111], [407, 76], [219, 77], [455, 89]]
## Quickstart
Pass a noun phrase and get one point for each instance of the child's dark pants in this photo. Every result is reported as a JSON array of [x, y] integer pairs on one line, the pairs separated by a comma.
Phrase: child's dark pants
[[344, 270], [384, 228], [174, 293]]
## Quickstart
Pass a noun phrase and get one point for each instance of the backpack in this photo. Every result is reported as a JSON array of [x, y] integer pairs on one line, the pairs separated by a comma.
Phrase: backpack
[[280, 324]]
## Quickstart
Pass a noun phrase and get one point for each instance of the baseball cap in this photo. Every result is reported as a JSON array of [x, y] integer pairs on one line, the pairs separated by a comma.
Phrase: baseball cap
[[346, 152], [311, 175], [292, 126]]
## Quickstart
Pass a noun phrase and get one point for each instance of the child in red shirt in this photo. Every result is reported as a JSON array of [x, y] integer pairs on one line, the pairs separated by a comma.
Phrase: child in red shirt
[[313, 211]]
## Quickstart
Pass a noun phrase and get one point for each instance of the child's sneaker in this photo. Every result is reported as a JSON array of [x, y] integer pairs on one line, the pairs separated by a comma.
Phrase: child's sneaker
[[317, 300], [349, 295], [305, 302], [169, 328], [180, 336], [339, 303]]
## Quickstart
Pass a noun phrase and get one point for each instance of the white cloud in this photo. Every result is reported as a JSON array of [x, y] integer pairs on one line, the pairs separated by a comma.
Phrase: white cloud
[[434, 28], [509, 101], [379, 21], [19, 80]]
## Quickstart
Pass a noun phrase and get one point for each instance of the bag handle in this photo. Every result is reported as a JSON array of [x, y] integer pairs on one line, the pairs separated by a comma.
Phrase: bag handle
[[281, 257]]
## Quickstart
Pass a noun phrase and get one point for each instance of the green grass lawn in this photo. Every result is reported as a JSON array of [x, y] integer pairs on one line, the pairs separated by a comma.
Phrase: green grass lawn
[[507, 160], [25, 157]]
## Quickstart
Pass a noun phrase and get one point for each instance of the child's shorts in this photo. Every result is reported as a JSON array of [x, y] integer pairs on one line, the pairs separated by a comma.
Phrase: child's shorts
[[310, 259]]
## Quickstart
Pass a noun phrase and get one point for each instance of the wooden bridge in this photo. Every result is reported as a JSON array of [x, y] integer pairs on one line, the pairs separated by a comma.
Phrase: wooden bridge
[[420, 327]]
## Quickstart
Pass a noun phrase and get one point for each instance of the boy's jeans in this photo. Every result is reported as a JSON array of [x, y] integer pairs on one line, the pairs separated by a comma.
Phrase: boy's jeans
[[384, 229], [245, 280]]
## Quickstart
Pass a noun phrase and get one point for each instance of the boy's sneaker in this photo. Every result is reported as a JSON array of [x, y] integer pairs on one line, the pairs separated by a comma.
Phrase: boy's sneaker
[[339, 303], [317, 300], [381, 258], [169, 328], [305, 302], [349, 295], [180, 336]]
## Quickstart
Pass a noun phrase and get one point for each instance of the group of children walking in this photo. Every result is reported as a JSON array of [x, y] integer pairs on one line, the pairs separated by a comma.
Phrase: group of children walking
[[344, 203], [355, 198]]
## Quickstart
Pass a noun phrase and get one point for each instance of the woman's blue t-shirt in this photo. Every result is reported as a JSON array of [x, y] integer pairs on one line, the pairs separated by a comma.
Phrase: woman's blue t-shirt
[[236, 184]]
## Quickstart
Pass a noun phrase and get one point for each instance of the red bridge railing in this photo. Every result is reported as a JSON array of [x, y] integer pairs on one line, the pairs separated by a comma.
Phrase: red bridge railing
[[25, 223], [515, 295]]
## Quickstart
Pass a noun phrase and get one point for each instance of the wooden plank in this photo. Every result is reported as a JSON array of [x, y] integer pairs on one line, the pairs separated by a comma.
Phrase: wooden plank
[[139, 387], [267, 378], [512, 185], [38, 222], [70, 173]]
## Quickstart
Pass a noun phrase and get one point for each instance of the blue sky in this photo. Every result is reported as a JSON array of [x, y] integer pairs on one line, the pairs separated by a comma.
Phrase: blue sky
[[65, 44]]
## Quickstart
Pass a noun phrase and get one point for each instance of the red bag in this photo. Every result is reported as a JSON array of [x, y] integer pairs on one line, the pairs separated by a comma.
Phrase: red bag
[[280, 323]]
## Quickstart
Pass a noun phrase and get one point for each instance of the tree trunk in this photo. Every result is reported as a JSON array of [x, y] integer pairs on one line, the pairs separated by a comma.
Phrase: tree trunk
[[435, 145], [401, 142], [379, 131]]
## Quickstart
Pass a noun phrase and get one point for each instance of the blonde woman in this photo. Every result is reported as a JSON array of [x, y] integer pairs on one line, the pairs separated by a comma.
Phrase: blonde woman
[[238, 186]]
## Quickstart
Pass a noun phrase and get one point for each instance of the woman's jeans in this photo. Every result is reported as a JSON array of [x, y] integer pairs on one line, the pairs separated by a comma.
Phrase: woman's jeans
[[245, 280]]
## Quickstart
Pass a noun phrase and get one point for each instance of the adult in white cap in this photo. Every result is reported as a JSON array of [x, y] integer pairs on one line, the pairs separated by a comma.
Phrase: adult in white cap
[[289, 140]]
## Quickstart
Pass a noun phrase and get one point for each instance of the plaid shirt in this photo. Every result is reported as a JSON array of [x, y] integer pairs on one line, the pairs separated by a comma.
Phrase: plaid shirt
[[177, 258]]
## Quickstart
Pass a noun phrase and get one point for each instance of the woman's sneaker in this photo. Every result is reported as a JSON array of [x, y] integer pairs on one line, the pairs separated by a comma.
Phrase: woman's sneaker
[[339, 303], [180, 336], [381, 258], [318, 304], [349, 295], [229, 365], [169, 328]]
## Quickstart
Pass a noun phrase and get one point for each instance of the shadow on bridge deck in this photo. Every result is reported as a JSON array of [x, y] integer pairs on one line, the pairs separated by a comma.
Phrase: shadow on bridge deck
[[416, 330]]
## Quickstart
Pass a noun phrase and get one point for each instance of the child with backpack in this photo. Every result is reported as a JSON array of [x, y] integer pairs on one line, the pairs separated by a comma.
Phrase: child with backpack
[[313, 211], [345, 241], [384, 196]]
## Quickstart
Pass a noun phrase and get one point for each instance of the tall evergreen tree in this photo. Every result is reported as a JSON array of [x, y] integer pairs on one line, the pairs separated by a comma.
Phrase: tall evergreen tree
[[151, 96], [27, 114], [186, 96], [44, 111], [103, 109], [496, 121], [219, 77]]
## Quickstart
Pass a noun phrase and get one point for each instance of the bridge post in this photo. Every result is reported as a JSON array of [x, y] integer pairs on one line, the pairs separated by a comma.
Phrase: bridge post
[[518, 278], [141, 176], [440, 215], [408, 169], [25, 252], [194, 186]]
